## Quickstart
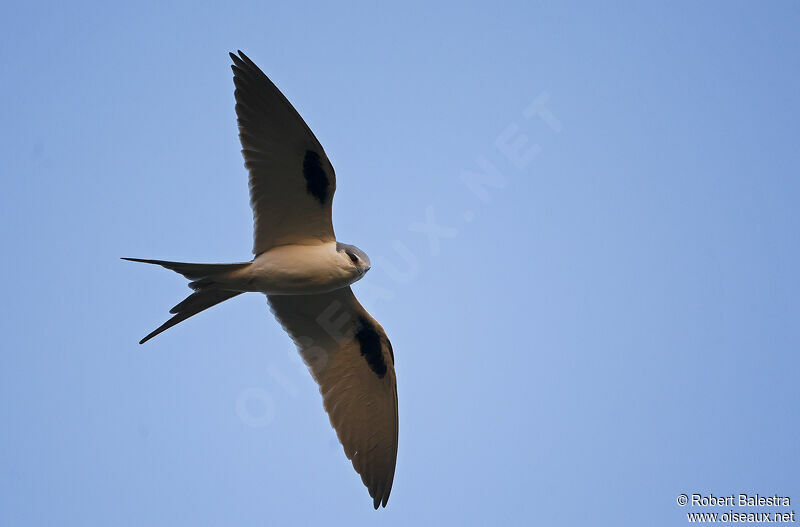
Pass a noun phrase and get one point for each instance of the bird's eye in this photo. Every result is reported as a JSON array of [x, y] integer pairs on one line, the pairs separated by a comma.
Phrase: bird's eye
[[353, 257]]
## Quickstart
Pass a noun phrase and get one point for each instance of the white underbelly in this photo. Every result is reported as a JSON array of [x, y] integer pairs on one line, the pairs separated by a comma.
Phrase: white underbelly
[[294, 270]]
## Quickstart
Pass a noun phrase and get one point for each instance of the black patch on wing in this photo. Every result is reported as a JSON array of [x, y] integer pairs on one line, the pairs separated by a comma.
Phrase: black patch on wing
[[316, 179], [369, 341]]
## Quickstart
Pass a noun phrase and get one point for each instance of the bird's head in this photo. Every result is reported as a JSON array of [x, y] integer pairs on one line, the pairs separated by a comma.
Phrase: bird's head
[[354, 258]]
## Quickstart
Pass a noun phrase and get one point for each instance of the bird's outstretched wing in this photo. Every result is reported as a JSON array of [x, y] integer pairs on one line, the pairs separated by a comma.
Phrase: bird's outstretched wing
[[291, 180], [351, 359]]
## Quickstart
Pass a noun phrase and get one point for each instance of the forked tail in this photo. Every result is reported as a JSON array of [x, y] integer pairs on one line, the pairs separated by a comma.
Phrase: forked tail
[[202, 281]]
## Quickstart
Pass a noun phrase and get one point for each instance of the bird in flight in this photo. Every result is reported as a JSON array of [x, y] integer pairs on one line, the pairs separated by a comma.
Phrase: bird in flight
[[306, 275]]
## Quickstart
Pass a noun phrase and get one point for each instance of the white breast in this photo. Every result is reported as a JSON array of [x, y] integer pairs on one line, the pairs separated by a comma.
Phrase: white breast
[[297, 269]]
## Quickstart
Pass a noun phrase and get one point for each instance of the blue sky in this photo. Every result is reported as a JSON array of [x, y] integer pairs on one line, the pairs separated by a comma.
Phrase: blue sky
[[609, 321]]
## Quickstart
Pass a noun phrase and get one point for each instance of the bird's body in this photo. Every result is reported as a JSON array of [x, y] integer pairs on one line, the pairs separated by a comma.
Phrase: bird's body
[[306, 275], [295, 270]]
